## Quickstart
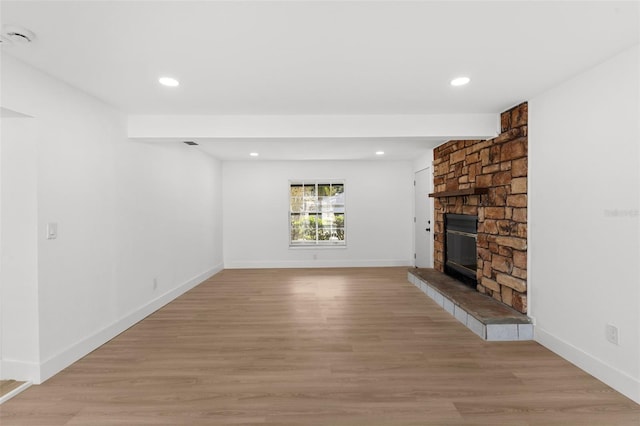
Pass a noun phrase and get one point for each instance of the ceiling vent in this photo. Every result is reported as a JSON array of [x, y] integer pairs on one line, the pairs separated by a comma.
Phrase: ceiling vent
[[190, 143], [16, 35]]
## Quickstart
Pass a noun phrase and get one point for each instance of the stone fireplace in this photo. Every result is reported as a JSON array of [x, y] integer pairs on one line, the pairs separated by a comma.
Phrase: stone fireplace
[[488, 179]]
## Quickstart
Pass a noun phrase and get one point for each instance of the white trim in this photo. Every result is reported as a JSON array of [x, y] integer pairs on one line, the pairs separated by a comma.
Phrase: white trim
[[321, 245], [318, 247], [619, 380], [58, 362], [7, 396], [21, 370], [317, 264], [316, 183]]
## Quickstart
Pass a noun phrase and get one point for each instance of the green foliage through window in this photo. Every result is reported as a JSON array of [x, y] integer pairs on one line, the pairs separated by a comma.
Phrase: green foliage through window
[[317, 214]]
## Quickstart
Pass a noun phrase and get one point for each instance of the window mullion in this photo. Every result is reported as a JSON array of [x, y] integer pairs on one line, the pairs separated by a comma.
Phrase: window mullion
[[317, 201], [316, 219]]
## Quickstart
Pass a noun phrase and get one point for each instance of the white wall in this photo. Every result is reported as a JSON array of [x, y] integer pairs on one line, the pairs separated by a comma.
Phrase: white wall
[[19, 248], [169, 218], [378, 214], [584, 185], [127, 213], [424, 161]]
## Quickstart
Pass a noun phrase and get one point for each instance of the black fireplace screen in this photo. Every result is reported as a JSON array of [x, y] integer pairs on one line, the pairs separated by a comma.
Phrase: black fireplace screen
[[460, 253]]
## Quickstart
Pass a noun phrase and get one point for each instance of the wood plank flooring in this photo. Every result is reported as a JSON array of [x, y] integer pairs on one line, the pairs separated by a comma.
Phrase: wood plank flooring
[[7, 386], [315, 347]]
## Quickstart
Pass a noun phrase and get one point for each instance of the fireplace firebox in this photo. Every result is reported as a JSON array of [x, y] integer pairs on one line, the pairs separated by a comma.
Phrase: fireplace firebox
[[461, 233]]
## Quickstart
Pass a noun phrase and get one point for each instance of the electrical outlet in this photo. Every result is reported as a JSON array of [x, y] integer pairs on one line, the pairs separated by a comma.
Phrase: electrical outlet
[[155, 283], [611, 333]]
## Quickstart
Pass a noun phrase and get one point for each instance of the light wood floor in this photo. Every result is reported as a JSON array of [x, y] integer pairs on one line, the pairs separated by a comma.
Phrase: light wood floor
[[315, 347], [7, 386]]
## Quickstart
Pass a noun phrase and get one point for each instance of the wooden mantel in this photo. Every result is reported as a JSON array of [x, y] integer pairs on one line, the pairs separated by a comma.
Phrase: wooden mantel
[[460, 192]]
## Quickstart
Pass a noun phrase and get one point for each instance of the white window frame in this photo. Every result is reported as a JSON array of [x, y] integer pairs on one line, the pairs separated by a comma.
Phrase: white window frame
[[317, 243]]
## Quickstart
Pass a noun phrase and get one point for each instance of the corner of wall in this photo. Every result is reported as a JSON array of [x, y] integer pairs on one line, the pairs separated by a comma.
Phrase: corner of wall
[[57, 363], [609, 374], [424, 161], [580, 148], [21, 371]]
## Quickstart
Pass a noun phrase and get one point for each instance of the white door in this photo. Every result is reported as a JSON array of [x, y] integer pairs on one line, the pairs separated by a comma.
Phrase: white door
[[423, 219]]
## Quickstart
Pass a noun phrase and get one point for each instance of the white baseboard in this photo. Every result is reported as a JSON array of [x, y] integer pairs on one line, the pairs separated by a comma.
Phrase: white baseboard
[[618, 380], [73, 353], [20, 371], [7, 396], [329, 263]]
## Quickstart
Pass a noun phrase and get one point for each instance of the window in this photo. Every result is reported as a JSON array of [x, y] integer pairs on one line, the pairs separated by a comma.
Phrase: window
[[316, 213]]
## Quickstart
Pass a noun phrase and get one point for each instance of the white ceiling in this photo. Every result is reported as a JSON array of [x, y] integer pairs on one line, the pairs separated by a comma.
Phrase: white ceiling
[[315, 58]]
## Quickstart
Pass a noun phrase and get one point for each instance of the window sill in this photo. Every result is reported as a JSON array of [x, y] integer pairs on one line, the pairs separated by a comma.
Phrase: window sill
[[316, 247]]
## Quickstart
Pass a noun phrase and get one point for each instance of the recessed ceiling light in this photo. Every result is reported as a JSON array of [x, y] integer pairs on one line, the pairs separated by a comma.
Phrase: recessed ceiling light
[[379, 152], [168, 81], [254, 154], [460, 81]]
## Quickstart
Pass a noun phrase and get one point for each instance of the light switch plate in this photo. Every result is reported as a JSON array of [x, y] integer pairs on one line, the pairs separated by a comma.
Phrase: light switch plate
[[52, 231]]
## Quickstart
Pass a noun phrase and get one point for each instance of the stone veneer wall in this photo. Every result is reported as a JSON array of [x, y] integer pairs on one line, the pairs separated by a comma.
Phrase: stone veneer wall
[[499, 164]]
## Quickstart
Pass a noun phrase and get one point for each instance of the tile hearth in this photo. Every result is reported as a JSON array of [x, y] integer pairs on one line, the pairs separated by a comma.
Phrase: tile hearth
[[485, 316]]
